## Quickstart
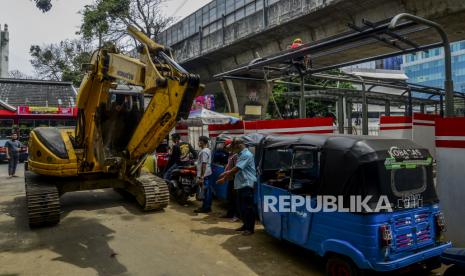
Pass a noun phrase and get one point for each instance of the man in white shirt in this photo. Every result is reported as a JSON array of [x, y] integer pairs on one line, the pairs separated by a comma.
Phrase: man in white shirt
[[204, 170]]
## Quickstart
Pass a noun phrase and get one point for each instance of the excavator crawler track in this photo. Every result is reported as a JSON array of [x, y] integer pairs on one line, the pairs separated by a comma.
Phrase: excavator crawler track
[[152, 192], [43, 201]]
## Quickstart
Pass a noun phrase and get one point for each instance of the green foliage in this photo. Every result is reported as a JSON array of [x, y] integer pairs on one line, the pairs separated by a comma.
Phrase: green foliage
[[278, 94], [330, 83], [62, 61], [280, 102], [289, 107], [107, 20], [97, 19], [44, 5]]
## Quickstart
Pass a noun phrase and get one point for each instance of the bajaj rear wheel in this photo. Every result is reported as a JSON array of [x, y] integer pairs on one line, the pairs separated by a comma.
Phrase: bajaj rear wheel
[[341, 266], [177, 193]]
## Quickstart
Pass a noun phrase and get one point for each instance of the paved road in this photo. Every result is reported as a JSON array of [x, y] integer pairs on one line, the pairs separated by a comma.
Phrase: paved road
[[102, 233]]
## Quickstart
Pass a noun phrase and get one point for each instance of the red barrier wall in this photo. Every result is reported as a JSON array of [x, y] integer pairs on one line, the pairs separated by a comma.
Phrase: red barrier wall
[[395, 126], [450, 182], [423, 131]]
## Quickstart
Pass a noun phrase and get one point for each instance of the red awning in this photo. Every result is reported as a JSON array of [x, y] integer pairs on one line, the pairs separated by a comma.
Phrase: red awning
[[7, 113]]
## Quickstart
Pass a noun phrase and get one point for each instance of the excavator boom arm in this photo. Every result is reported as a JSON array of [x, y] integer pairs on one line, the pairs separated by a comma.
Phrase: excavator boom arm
[[171, 88]]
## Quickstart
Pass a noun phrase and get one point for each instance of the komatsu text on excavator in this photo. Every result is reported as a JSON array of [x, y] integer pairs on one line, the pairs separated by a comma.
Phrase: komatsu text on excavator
[[114, 133]]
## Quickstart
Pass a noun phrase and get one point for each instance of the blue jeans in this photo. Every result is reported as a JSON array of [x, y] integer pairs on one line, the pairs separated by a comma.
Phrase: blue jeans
[[208, 196], [12, 163]]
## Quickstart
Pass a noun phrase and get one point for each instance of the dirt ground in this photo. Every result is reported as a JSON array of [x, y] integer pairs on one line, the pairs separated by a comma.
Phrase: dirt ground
[[102, 233]]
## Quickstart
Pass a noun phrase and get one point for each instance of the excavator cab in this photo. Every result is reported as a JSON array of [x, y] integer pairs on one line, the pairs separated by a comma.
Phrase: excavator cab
[[117, 126], [119, 118]]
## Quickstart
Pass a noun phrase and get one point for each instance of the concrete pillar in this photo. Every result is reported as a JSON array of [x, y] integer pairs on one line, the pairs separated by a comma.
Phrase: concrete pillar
[[364, 114], [387, 108], [349, 117], [229, 93], [464, 107], [223, 25], [247, 98], [410, 104], [441, 105], [265, 14], [422, 108], [340, 114], [200, 39]]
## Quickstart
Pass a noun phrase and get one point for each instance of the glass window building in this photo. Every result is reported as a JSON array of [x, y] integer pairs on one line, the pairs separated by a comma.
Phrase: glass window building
[[427, 68]]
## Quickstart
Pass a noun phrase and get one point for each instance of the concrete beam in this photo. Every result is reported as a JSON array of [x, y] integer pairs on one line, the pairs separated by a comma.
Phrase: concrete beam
[[323, 21], [245, 40]]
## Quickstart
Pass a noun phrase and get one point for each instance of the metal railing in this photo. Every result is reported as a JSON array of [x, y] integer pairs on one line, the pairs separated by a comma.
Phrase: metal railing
[[358, 130]]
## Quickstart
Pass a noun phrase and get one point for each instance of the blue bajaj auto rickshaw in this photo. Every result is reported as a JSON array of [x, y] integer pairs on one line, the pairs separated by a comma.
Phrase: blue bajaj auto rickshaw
[[407, 232]]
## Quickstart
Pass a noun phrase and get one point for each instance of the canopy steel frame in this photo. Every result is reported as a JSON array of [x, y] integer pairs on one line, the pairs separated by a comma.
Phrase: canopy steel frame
[[391, 32], [372, 82], [354, 95], [313, 48], [448, 82]]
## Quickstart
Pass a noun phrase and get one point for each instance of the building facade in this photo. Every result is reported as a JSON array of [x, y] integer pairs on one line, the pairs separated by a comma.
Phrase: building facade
[[25, 104], [391, 63], [4, 51], [427, 68]]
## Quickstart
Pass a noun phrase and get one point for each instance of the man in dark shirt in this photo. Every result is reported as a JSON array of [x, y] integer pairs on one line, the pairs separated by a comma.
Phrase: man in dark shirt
[[13, 148], [181, 154]]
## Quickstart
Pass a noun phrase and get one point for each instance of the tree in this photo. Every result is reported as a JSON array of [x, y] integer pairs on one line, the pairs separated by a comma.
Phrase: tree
[[43, 5], [288, 107], [61, 61], [107, 20]]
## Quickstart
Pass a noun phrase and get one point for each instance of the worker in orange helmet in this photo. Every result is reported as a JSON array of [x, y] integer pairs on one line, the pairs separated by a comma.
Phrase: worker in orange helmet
[[300, 62], [297, 43]]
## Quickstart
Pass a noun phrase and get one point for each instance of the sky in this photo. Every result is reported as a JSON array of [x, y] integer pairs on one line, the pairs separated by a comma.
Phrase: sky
[[29, 26]]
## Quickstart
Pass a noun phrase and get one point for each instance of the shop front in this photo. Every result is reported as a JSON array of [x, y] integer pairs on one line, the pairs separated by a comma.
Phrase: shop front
[[26, 118]]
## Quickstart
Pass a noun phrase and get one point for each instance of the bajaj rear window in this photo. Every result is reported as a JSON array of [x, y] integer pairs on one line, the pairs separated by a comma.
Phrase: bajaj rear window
[[408, 181], [277, 159]]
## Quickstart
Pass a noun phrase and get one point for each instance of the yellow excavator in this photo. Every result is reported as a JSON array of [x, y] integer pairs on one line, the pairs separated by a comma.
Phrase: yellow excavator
[[116, 129]]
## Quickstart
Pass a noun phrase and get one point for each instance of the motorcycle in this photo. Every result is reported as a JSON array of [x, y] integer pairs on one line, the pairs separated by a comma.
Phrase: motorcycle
[[182, 183]]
